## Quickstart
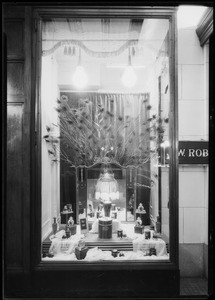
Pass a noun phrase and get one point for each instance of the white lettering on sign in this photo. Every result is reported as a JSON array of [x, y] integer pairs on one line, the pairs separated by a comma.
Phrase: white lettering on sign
[[205, 152], [181, 152], [198, 152], [191, 152]]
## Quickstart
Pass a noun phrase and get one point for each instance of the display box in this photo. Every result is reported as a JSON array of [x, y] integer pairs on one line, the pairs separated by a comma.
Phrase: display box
[[114, 215], [139, 229], [91, 214], [105, 229], [81, 253], [73, 229]]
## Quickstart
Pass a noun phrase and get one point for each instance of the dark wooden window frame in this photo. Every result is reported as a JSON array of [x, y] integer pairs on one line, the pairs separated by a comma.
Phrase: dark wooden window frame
[[159, 12]]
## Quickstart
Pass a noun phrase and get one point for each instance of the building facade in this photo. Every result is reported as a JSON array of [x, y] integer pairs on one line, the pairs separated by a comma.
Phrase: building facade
[[182, 77]]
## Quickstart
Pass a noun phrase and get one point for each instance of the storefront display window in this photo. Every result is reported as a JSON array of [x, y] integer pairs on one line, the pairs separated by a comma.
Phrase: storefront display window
[[105, 139]]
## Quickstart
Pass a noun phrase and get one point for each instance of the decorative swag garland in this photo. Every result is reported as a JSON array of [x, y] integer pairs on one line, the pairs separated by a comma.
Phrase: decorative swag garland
[[92, 53]]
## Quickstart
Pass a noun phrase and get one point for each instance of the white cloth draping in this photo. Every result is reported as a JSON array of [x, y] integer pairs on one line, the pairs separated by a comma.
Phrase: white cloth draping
[[96, 254], [142, 244], [64, 248], [60, 245]]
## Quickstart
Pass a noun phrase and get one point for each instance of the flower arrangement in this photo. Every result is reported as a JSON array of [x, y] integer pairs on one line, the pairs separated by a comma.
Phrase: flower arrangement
[[92, 134]]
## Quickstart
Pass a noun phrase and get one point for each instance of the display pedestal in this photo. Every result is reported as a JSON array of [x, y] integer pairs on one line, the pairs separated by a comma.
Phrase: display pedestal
[[142, 215], [105, 228], [107, 207], [73, 229], [116, 225], [65, 216]]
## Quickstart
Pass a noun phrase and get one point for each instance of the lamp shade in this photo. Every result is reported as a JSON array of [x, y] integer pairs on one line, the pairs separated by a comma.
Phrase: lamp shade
[[129, 77], [107, 188], [80, 78]]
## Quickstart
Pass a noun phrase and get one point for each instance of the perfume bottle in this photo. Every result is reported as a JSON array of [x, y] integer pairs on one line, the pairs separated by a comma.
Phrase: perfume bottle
[[54, 226], [158, 225]]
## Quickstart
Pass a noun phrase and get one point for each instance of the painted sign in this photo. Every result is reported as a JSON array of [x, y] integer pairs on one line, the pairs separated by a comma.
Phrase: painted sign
[[83, 225], [193, 152], [189, 152]]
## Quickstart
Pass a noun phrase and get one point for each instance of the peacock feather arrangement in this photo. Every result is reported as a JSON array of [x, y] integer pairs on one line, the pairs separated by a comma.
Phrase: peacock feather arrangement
[[92, 133]]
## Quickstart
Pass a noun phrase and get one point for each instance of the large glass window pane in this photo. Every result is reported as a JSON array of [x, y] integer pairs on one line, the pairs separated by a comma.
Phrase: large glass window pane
[[105, 139]]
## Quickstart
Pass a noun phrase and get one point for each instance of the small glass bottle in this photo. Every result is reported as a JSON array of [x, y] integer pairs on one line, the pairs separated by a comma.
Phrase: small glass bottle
[[158, 225], [54, 226]]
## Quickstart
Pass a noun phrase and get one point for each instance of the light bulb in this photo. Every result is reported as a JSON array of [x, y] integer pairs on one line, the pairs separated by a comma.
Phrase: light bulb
[[80, 78], [129, 77], [165, 144]]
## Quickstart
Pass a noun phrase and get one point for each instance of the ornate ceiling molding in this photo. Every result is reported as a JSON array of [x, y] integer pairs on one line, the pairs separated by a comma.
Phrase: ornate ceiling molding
[[205, 26]]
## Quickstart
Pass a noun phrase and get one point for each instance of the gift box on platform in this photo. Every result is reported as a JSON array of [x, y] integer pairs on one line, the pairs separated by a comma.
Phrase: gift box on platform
[[72, 229], [139, 229], [98, 213], [147, 234], [152, 251], [90, 224], [114, 215], [81, 253]]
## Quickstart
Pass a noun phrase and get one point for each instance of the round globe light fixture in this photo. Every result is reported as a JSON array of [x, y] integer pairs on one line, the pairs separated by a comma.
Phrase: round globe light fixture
[[79, 78], [129, 77]]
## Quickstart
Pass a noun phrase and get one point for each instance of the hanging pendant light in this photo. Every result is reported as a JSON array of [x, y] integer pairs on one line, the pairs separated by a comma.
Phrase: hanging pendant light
[[129, 77], [80, 78]]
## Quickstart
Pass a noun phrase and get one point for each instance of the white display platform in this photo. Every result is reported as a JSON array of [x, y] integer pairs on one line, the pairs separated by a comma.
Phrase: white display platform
[[63, 249], [96, 254], [142, 244], [67, 246]]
